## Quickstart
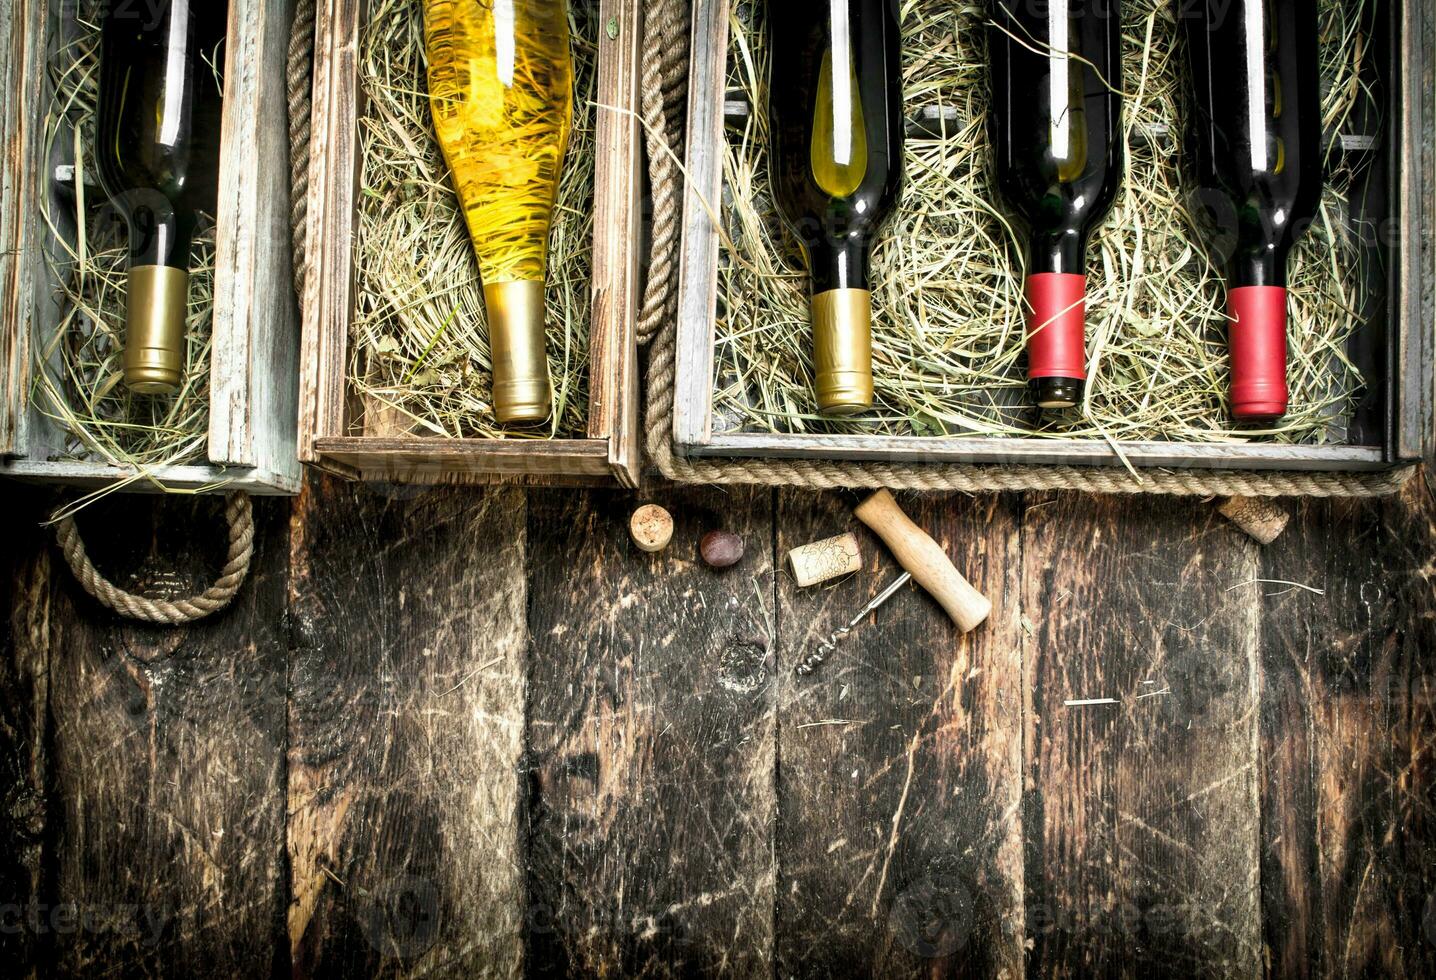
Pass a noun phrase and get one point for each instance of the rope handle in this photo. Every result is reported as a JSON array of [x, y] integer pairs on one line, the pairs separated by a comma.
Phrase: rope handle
[[238, 512]]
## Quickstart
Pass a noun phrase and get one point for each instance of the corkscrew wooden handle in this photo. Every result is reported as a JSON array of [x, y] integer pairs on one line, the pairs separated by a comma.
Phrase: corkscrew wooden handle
[[917, 552]]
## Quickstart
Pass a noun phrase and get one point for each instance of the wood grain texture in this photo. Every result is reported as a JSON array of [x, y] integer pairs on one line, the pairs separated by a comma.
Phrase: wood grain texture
[[167, 755], [21, 52], [900, 836], [255, 351], [24, 737], [698, 255], [650, 800], [406, 718], [617, 204], [1140, 816], [328, 300], [1347, 734]]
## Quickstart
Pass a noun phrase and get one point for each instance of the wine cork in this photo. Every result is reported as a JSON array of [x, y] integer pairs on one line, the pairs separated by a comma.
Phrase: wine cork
[[823, 560], [651, 527], [1263, 520]]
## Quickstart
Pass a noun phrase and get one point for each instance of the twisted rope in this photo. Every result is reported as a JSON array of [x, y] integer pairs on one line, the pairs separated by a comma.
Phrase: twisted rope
[[663, 90], [298, 74], [665, 72], [238, 511]]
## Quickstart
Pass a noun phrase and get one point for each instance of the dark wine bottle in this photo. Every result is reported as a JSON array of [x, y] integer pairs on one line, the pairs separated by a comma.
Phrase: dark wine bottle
[[157, 137], [1056, 132], [835, 115], [1256, 139]]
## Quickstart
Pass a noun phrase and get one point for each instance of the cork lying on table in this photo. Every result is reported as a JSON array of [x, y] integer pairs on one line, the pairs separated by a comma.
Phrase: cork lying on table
[[822, 561]]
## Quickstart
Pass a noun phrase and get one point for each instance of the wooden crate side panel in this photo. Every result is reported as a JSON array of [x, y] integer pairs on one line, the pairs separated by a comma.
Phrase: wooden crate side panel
[[254, 358], [431, 460], [613, 354], [156, 479], [1416, 205], [329, 243], [698, 268], [21, 71]]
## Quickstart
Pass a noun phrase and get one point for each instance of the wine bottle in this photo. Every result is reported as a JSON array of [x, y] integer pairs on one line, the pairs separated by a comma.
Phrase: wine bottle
[[835, 116], [157, 153], [1056, 132], [501, 95], [1256, 139]]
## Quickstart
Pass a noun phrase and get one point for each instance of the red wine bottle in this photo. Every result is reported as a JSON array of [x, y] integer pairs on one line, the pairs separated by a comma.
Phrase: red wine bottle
[[157, 133], [835, 114], [1256, 139], [1056, 131]]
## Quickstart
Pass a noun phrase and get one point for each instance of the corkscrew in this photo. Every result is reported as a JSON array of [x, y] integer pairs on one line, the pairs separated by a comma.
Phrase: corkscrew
[[826, 647]]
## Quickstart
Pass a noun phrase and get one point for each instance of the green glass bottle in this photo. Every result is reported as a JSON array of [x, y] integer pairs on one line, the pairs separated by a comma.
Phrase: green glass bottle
[[157, 149], [835, 114]]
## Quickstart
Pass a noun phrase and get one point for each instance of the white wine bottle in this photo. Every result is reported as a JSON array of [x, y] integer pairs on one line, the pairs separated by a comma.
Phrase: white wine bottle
[[501, 94], [157, 133], [835, 109]]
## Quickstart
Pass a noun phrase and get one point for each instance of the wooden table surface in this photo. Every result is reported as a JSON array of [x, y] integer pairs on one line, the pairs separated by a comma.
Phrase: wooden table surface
[[464, 732]]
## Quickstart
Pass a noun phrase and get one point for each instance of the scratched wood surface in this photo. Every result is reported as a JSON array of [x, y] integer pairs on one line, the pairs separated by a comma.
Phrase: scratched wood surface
[[459, 732]]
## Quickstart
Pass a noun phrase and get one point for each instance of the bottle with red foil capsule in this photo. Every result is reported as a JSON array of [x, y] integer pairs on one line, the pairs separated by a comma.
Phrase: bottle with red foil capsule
[[1256, 139], [1056, 132]]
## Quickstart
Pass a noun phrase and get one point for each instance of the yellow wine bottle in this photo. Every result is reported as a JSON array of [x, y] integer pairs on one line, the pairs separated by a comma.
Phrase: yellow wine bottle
[[501, 94]]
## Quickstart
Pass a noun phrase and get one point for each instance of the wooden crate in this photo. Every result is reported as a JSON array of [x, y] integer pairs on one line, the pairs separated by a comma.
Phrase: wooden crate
[[1391, 425], [327, 436], [253, 384]]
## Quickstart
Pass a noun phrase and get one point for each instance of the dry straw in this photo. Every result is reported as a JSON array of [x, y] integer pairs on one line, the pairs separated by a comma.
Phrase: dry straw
[[947, 271], [420, 360], [78, 371]]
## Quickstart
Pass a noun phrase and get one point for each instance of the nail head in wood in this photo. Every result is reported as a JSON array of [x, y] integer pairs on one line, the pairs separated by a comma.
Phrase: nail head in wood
[[822, 561], [930, 566], [651, 527], [1261, 518]]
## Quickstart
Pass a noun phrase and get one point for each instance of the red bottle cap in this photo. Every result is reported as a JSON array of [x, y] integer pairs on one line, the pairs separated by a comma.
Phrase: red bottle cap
[[1257, 338], [1055, 326]]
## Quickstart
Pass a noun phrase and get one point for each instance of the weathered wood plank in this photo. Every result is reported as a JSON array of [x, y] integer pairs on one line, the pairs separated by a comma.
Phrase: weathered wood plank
[[167, 754], [650, 802], [24, 722], [618, 203], [1348, 730], [1141, 820], [254, 360], [21, 53], [406, 717], [900, 832]]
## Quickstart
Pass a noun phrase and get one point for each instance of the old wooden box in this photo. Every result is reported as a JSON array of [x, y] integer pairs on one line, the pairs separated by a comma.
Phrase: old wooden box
[[253, 376], [332, 434], [1391, 423]]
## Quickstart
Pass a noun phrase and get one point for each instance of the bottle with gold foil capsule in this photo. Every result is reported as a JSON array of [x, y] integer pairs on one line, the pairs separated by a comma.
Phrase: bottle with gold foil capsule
[[1056, 135], [501, 95], [157, 154], [835, 116]]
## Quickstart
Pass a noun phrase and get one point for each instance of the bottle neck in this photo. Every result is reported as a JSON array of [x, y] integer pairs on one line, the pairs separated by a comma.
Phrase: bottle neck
[[1260, 264], [840, 264], [1061, 250], [160, 233]]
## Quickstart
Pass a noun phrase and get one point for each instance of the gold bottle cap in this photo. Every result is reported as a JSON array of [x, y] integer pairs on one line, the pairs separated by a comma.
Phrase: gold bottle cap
[[843, 350], [522, 392], [155, 307]]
